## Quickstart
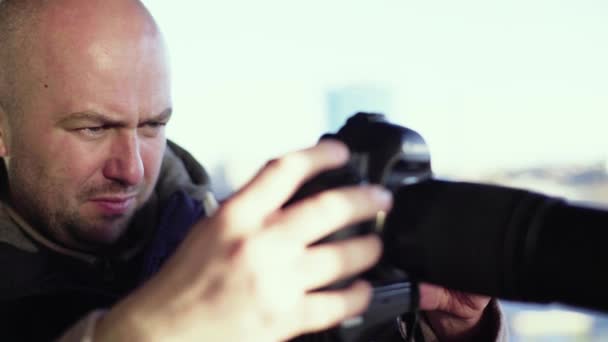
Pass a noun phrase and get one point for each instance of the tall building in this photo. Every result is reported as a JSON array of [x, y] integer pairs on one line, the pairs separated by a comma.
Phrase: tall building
[[344, 102]]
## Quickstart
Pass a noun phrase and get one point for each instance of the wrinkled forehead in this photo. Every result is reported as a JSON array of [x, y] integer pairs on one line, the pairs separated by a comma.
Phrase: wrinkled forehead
[[106, 50]]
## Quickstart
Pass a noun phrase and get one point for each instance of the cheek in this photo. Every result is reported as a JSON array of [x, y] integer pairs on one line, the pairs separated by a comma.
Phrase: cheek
[[62, 163], [54, 149], [76, 164], [152, 156]]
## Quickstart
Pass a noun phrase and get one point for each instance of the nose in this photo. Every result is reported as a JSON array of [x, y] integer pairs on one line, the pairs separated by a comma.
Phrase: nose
[[125, 164]]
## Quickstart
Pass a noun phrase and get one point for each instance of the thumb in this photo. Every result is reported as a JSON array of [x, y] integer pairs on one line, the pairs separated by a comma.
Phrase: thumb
[[433, 297]]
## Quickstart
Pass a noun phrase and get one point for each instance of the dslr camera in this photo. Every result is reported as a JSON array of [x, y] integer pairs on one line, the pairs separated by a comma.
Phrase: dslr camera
[[479, 238], [394, 157]]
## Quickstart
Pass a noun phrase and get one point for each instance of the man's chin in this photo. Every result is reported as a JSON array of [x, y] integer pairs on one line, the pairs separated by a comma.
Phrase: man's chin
[[103, 233]]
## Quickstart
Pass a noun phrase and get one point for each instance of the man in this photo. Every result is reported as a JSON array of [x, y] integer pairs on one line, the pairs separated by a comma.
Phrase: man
[[95, 201]]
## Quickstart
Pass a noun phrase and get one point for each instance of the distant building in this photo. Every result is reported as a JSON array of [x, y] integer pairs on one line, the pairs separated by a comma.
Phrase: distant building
[[344, 102], [584, 183]]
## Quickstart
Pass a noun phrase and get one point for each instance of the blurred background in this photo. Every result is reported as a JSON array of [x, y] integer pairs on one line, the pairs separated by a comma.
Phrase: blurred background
[[512, 92]]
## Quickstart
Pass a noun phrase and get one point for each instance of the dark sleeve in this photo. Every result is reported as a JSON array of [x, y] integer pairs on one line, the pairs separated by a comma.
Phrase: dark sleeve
[[43, 317], [34, 304]]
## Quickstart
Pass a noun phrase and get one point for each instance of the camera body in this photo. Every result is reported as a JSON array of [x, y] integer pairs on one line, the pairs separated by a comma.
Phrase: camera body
[[380, 153], [394, 157]]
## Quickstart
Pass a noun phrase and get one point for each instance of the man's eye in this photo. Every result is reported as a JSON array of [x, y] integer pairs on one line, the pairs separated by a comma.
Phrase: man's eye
[[156, 124], [152, 128], [93, 131]]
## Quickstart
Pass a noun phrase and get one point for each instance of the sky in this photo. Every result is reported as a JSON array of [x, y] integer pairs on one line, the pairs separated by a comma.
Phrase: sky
[[489, 84]]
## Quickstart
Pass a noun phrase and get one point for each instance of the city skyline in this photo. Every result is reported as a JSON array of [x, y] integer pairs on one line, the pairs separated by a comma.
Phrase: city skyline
[[488, 84]]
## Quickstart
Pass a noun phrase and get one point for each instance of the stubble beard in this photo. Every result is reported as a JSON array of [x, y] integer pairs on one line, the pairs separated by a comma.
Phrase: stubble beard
[[61, 219]]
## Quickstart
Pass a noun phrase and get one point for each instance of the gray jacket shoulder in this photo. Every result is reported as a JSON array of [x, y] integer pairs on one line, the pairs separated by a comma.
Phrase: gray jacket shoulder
[[12, 235]]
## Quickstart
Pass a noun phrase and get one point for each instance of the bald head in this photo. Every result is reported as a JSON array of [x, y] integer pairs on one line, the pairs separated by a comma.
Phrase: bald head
[[14, 19], [85, 94], [36, 36]]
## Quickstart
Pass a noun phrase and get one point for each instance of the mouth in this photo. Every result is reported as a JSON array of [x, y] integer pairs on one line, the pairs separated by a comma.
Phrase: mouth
[[114, 205]]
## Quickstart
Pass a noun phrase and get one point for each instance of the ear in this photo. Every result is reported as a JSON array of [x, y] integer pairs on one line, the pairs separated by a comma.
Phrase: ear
[[3, 133], [3, 150]]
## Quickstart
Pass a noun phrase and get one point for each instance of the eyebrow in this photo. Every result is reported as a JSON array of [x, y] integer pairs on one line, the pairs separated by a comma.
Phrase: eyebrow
[[92, 116]]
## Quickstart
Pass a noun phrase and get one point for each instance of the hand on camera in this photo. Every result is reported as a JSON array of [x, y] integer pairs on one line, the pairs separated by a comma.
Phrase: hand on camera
[[246, 273], [453, 315]]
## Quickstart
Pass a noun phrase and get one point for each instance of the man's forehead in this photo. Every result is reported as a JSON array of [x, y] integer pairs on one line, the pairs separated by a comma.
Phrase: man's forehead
[[107, 53], [76, 33], [113, 118]]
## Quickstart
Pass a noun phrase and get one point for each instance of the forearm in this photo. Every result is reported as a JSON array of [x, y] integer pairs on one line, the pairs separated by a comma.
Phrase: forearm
[[116, 324], [102, 325], [83, 330]]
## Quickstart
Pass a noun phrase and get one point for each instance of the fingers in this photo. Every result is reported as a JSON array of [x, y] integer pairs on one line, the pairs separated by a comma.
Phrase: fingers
[[457, 303], [327, 263], [433, 297], [322, 310], [320, 215], [280, 178], [452, 314]]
